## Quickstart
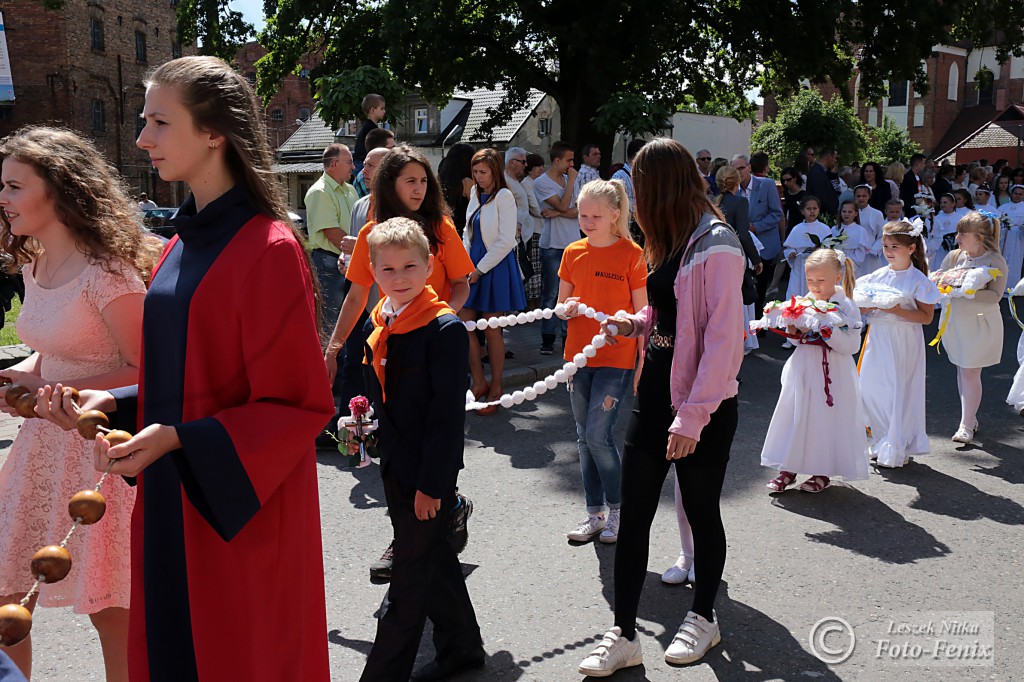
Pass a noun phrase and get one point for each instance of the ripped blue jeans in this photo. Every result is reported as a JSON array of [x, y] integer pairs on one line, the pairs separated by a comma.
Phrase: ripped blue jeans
[[596, 394]]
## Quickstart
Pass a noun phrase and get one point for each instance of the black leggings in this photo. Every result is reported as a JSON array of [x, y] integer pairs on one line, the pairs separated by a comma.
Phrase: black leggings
[[700, 475]]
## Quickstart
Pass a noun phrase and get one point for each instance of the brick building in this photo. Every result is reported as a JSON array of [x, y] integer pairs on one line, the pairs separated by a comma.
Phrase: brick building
[[293, 102], [958, 104], [83, 67]]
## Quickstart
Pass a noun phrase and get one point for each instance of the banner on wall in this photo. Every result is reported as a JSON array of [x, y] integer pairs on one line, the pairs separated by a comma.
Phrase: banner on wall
[[6, 83]]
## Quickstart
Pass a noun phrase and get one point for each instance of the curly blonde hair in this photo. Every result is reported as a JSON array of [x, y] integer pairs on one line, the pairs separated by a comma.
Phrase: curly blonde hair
[[87, 196]]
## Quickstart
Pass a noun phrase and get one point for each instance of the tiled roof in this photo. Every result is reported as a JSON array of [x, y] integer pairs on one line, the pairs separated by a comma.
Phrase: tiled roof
[[285, 168], [311, 136], [483, 98], [995, 135], [968, 122]]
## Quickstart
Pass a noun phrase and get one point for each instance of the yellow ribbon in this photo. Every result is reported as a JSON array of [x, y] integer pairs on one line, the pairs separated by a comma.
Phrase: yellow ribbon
[[1013, 310], [942, 328]]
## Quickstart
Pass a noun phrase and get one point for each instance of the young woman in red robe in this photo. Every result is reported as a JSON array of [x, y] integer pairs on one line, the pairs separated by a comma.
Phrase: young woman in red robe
[[227, 568]]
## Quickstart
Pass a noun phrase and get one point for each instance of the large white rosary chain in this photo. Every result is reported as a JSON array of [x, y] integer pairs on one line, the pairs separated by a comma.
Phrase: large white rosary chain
[[560, 376]]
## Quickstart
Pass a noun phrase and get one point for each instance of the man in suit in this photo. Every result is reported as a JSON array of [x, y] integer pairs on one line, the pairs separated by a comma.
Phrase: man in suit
[[704, 165], [911, 184], [765, 215], [823, 181]]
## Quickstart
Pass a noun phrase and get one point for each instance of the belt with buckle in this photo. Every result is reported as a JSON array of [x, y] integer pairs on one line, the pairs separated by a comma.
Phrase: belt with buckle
[[659, 340]]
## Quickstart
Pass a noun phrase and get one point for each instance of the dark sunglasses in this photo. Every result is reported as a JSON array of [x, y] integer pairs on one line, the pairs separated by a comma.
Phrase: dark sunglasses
[[786, 179], [703, 158]]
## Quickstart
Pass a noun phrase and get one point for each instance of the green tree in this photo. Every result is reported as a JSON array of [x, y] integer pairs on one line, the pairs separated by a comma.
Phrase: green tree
[[611, 65], [218, 29], [891, 143], [808, 119]]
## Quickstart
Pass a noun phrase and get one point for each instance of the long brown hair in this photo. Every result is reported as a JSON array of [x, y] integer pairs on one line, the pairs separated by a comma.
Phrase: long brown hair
[[221, 100], [491, 158], [899, 230], [87, 197], [387, 204], [670, 198]]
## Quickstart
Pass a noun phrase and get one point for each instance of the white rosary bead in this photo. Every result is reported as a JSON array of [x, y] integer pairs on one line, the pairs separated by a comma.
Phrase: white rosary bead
[[506, 401], [523, 318], [518, 397], [547, 313], [471, 325], [590, 312], [589, 351], [502, 321], [540, 387], [581, 308], [481, 324], [601, 317], [570, 369], [551, 381], [493, 323], [530, 393], [599, 341], [531, 316], [579, 360], [560, 309]]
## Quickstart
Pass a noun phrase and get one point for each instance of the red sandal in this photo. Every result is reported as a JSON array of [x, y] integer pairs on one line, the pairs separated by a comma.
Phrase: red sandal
[[815, 484], [782, 481]]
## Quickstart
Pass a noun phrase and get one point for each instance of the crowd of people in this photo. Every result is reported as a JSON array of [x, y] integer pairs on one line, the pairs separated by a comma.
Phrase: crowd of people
[[683, 254]]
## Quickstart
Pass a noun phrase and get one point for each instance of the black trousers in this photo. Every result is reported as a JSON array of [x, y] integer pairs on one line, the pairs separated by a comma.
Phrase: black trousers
[[426, 582], [700, 475]]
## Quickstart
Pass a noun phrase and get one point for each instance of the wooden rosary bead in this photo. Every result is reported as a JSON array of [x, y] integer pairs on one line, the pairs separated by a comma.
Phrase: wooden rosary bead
[[117, 437], [13, 393], [26, 405], [15, 624], [51, 564], [75, 396], [87, 505], [89, 421]]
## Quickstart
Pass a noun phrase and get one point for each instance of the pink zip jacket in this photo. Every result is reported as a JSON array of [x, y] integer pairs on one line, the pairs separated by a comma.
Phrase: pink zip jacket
[[709, 325]]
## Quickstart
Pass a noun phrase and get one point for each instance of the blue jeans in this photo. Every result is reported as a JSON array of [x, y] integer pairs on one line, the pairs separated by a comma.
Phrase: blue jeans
[[596, 394], [332, 285], [550, 260]]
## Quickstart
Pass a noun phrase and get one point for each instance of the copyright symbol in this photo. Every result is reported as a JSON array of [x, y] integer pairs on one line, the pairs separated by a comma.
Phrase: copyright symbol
[[819, 636]]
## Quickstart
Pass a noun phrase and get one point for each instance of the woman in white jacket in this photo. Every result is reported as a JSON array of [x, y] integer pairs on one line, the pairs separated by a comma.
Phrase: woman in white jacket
[[496, 286]]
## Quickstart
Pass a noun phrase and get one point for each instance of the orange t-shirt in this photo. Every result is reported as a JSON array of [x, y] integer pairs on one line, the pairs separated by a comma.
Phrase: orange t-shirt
[[604, 278], [450, 262]]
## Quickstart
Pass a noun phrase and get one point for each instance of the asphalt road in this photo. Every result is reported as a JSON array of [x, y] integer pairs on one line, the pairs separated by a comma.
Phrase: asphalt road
[[941, 535]]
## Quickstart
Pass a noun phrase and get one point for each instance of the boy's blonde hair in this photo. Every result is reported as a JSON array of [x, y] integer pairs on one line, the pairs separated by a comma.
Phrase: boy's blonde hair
[[613, 192], [402, 233], [832, 259], [985, 227]]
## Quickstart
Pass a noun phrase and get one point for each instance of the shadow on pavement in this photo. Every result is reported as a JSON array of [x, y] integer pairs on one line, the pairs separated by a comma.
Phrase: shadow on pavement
[[1011, 465], [946, 495], [866, 525]]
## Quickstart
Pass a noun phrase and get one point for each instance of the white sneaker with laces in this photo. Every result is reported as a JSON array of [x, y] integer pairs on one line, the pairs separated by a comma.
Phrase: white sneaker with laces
[[614, 652], [610, 534], [695, 637], [588, 528], [676, 574]]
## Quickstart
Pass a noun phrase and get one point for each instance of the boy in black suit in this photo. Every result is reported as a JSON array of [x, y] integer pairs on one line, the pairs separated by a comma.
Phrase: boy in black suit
[[418, 351]]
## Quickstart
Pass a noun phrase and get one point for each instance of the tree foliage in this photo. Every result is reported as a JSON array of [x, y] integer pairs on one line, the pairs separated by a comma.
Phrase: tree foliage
[[218, 29], [890, 143], [807, 119], [341, 96], [611, 65]]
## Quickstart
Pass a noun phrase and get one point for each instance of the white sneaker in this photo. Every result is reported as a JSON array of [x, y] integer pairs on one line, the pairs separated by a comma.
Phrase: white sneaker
[[588, 528], [676, 574], [690, 576], [613, 653], [693, 640], [788, 345], [610, 534]]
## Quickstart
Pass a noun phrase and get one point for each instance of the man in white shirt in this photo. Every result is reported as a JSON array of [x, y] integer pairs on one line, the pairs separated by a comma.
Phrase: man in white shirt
[[554, 191], [515, 171], [591, 156], [144, 203]]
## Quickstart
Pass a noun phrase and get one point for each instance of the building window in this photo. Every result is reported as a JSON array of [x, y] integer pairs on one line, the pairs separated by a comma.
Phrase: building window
[[175, 51], [421, 121], [277, 115], [953, 89], [304, 74], [898, 94], [304, 113], [140, 47], [251, 77], [99, 122], [96, 34], [140, 122], [543, 127], [987, 89]]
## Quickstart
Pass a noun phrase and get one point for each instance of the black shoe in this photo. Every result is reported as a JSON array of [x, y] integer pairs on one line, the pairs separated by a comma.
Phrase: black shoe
[[458, 531], [380, 570], [453, 665], [547, 344]]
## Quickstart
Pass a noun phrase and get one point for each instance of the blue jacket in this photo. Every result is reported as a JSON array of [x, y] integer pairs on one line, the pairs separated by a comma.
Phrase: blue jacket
[[765, 214]]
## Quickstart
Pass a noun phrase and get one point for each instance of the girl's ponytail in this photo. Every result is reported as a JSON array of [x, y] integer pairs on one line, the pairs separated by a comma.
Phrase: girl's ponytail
[[849, 278], [622, 224]]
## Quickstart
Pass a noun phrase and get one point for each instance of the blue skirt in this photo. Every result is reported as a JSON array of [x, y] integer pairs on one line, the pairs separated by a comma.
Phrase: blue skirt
[[500, 290]]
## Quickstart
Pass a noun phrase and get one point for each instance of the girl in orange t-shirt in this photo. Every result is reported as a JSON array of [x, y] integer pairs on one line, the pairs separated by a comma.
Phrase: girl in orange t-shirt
[[606, 271]]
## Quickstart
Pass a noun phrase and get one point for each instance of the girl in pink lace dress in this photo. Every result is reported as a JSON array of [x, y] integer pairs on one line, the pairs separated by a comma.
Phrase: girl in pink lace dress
[[65, 217]]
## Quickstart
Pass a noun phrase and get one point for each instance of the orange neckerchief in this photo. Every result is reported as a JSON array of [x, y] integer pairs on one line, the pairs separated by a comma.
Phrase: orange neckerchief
[[421, 310]]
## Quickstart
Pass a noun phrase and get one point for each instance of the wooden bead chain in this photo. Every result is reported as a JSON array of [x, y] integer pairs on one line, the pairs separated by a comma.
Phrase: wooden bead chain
[[53, 563], [559, 376]]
